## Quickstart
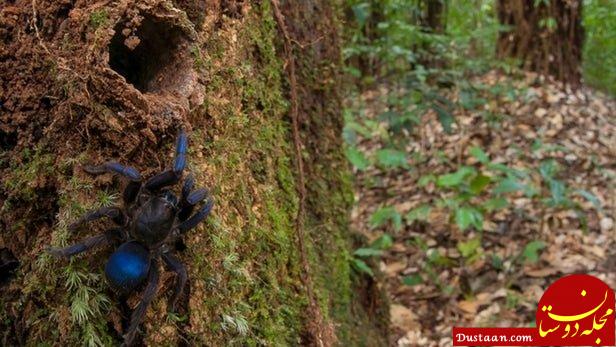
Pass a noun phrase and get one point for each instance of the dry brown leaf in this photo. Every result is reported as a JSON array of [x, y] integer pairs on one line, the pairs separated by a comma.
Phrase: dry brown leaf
[[402, 317], [392, 269], [541, 273], [468, 306]]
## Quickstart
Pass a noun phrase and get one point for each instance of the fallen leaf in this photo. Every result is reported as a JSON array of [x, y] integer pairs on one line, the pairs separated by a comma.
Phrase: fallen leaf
[[468, 306], [402, 317], [392, 269], [540, 273]]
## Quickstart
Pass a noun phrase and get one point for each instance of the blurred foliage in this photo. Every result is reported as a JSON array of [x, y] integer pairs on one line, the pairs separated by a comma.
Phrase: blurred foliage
[[599, 60], [392, 39], [393, 44]]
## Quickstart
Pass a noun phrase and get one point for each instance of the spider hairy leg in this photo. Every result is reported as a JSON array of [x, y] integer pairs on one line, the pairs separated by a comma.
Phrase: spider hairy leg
[[163, 179], [86, 244], [131, 191], [189, 183], [114, 167], [112, 212], [189, 202], [181, 147], [139, 313], [180, 283], [171, 176], [195, 219]]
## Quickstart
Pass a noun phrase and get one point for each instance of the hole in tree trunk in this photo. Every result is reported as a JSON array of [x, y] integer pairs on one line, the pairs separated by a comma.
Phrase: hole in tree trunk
[[8, 264], [151, 57], [8, 140]]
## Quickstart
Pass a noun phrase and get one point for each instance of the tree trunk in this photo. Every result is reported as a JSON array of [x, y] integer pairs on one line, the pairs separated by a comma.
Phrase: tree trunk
[[435, 15], [546, 36], [433, 21], [255, 83]]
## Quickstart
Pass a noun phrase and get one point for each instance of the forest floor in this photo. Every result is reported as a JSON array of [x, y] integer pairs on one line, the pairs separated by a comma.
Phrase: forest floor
[[557, 219]]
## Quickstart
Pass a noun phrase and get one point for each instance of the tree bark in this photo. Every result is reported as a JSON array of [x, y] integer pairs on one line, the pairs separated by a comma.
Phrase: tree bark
[[84, 82], [435, 15], [546, 36]]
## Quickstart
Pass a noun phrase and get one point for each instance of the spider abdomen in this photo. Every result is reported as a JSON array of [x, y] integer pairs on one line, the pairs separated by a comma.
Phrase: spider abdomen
[[128, 266]]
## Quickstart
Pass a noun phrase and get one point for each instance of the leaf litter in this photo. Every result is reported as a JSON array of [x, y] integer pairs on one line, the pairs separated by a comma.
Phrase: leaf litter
[[556, 221]]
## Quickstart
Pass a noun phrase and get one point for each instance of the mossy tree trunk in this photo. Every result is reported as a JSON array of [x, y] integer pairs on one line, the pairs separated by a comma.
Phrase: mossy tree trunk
[[82, 82], [546, 36]]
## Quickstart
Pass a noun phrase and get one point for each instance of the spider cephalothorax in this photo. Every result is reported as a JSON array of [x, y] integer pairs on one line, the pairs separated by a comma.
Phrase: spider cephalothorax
[[149, 223]]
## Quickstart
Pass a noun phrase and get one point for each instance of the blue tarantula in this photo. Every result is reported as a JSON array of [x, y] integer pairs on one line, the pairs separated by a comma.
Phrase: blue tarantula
[[149, 223]]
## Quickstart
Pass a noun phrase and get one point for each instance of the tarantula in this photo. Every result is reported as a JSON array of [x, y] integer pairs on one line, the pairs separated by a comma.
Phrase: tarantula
[[150, 221]]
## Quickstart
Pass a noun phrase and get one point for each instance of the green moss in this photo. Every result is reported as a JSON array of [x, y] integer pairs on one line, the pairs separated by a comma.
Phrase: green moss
[[98, 18], [28, 173], [250, 270]]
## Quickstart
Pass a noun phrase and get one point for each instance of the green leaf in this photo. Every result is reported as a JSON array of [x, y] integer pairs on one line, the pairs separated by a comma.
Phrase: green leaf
[[436, 258], [452, 204], [383, 242], [590, 197], [361, 266], [425, 180], [531, 251], [507, 170], [495, 204], [456, 178], [412, 280], [557, 189], [479, 154], [479, 183], [508, 185], [470, 247], [391, 158], [361, 12], [467, 216], [349, 135], [497, 262], [357, 158], [362, 130], [367, 252], [548, 169], [420, 213], [353, 71], [384, 215], [444, 117]]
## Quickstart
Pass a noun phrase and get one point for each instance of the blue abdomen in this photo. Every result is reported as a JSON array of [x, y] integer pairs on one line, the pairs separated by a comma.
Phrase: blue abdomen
[[128, 266]]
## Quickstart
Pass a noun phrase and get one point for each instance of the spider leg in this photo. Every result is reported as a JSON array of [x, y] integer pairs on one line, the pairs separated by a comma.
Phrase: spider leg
[[189, 183], [113, 167], [86, 244], [139, 312], [172, 176], [131, 191], [163, 179], [181, 146], [176, 266], [112, 212], [188, 202], [197, 217]]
